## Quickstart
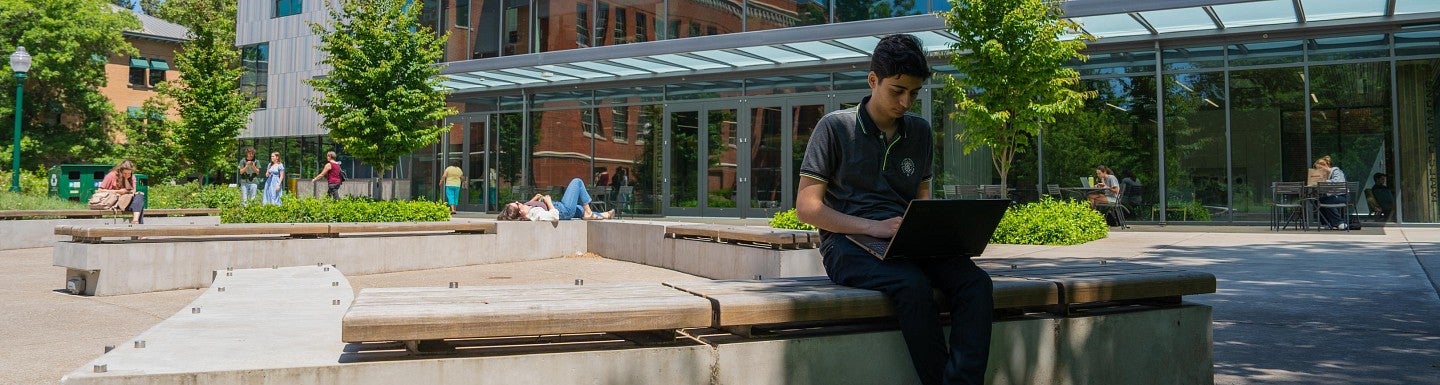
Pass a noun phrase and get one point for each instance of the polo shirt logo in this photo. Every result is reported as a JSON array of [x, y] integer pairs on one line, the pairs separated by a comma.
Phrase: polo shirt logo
[[907, 166]]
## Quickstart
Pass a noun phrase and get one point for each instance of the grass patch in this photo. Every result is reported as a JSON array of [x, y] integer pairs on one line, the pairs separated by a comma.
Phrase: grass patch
[[16, 201]]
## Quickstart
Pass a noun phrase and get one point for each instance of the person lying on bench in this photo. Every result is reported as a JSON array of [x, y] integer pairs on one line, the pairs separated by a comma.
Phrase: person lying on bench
[[574, 204]]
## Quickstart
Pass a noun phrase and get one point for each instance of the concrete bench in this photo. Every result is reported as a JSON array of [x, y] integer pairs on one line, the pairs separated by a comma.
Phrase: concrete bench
[[96, 234], [24, 229], [27, 214], [412, 315], [771, 238], [110, 260]]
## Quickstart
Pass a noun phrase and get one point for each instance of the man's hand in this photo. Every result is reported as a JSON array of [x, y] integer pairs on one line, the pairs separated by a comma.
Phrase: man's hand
[[883, 229]]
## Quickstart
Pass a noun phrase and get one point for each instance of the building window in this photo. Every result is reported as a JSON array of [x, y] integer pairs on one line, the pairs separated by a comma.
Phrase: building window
[[621, 125], [582, 25], [602, 21], [620, 26], [640, 30], [139, 66], [587, 122], [462, 13], [288, 7], [157, 71], [255, 61]]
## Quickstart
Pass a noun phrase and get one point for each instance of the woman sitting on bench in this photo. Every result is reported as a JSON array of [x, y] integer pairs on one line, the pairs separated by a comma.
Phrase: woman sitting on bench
[[575, 203], [121, 181]]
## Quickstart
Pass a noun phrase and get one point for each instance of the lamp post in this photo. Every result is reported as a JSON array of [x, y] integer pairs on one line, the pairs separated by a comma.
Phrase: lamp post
[[20, 63]]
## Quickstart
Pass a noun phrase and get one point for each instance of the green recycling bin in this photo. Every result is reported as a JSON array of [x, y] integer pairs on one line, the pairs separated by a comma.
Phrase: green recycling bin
[[76, 182], [141, 183]]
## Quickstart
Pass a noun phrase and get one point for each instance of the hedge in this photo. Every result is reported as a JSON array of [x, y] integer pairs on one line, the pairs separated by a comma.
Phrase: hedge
[[1051, 222], [350, 209], [789, 220]]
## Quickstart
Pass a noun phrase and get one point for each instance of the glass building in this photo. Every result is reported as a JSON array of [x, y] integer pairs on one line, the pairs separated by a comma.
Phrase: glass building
[[703, 108]]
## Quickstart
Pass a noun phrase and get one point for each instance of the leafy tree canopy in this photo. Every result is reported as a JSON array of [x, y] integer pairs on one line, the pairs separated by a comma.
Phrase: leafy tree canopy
[[1014, 74], [212, 109], [382, 96], [66, 119]]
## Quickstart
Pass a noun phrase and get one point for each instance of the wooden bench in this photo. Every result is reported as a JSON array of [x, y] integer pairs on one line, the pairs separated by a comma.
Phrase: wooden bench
[[414, 315], [772, 238], [739, 306], [96, 234], [26, 214]]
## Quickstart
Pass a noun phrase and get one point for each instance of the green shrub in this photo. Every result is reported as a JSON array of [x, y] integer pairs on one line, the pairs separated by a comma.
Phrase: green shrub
[[191, 196], [789, 220], [350, 209], [34, 183], [1051, 222]]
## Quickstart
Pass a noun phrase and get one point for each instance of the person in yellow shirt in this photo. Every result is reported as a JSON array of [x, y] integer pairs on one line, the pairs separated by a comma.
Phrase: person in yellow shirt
[[452, 179]]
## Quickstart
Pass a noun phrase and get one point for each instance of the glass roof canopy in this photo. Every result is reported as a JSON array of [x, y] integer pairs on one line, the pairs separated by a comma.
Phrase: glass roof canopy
[[734, 55]]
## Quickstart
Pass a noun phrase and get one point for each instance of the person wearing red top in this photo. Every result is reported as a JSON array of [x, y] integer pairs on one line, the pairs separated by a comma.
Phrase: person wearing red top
[[331, 172], [121, 180]]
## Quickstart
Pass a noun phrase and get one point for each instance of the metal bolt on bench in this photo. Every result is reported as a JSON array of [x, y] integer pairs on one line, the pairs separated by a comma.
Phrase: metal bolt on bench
[[101, 368], [194, 310], [108, 348], [579, 282], [454, 285]]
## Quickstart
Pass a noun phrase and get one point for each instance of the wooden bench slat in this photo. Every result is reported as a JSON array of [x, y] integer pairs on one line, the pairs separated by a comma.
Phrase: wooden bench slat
[[103, 213], [765, 235], [1136, 286], [495, 296], [200, 230], [385, 227], [784, 301], [660, 309]]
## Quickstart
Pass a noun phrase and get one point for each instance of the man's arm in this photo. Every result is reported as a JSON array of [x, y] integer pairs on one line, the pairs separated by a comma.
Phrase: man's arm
[[810, 208], [924, 191]]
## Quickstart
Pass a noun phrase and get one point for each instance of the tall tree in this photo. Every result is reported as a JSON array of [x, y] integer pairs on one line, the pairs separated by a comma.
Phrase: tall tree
[[66, 119], [382, 97], [1014, 74], [150, 141], [212, 109]]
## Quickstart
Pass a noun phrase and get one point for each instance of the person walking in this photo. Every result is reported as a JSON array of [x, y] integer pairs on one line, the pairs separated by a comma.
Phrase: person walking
[[862, 167], [452, 179], [331, 173], [249, 175], [274, 178]]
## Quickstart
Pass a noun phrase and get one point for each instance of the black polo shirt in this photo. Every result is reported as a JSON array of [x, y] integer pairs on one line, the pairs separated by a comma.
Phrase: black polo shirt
[[864, 175]]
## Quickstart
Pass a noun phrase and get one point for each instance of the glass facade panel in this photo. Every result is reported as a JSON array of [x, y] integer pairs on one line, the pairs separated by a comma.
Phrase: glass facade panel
[[1193, 58], [1177, 20], [793, 13], [766, 161], [684, 153], [1350, 120], [1104, 26], [704, 90], [1256, 13], [255, 75], [1118, 63], [722, 158], [489, 31], [1197, 177], [1349, 48], [1265, 53], [1316, 10], [646, 175], [516, 24], [1421, 43], [773, 85], [1419, 132], [1267, 131], [1405, 7], [561, 26], [856, 10], [1117, 129], [692, 18]]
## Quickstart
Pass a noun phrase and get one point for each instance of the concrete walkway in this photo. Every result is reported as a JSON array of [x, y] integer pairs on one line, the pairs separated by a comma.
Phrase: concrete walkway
[[1293, 308]]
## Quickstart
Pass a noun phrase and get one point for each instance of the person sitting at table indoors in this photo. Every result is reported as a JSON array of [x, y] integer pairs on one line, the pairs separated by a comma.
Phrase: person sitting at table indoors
[[1382, 198], [1330, 216], [1109, 185]]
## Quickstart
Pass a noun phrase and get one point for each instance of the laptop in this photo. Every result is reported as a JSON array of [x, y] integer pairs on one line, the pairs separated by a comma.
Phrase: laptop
[[939, 228], [1085, 182]]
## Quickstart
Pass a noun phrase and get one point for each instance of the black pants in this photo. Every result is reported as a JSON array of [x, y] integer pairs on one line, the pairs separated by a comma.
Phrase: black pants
[[910, 285], [1332, 216], [333, 190]]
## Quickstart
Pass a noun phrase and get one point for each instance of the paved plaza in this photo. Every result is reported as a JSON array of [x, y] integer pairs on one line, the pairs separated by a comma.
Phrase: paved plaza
[[1292, 308]]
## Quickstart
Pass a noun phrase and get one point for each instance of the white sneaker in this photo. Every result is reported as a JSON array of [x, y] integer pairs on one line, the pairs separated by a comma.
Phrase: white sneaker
[[1344, 226]]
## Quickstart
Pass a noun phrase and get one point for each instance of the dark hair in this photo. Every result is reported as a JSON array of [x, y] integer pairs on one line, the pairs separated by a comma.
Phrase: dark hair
[[1105, 169], [511, 213], [899, 54]]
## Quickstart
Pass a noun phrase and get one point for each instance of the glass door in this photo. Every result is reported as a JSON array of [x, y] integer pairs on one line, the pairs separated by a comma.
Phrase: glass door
[[702, 160], [464, 147], [776, 133]]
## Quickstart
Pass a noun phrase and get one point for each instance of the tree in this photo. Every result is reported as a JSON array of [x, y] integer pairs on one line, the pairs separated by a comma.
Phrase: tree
[[150, 141], [382, 97], [66, 119], [1014, 74], [212, 109]]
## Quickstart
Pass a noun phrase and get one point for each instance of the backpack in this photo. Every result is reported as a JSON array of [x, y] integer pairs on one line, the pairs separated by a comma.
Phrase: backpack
[[104, 200]]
